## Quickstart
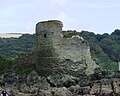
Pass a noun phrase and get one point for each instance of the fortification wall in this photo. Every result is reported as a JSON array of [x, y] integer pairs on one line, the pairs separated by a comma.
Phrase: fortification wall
[[76, 50], [58, 54], [73, 49]]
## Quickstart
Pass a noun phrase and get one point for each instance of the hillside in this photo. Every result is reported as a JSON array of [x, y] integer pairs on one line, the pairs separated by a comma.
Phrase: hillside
[[14, 46], [105, 47]]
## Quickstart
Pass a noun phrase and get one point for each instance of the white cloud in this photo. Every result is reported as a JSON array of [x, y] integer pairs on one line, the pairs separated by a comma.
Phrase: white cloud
[[67, 20], [22, 15], [59, 2], [99, 4], [65, 17]]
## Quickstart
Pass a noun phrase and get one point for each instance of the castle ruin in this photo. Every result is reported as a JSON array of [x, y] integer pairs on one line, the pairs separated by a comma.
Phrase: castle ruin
[[58, 54]]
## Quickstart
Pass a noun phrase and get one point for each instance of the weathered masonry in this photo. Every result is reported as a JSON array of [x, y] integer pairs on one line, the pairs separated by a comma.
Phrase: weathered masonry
[[57, 54]]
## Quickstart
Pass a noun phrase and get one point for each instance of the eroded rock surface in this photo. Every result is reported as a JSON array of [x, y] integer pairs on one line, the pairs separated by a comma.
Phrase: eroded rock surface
[[60, 85]]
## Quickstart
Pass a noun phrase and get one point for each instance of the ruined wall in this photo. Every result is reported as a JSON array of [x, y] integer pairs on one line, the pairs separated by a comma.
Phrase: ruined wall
[[72, 48], [55, 53], [75, 49]]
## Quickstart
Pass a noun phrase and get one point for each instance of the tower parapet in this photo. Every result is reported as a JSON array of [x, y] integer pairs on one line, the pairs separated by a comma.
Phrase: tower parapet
[[48, 32], [49, 24]]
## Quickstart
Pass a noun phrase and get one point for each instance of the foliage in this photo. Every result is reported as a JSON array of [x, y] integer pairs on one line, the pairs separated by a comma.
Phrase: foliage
[[25, 69], [6, 64], [24, 63], [15, 46], [69, 34], [106, 47]]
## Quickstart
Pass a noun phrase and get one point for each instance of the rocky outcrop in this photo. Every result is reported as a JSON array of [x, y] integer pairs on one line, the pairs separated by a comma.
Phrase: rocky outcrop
[[59, 85], [60, 80]]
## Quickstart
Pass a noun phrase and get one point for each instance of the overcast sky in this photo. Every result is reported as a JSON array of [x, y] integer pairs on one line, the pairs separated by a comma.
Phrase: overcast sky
[[99, 16]]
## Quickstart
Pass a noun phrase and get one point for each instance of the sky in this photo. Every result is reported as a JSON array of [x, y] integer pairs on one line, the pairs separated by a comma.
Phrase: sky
[[98, 16]]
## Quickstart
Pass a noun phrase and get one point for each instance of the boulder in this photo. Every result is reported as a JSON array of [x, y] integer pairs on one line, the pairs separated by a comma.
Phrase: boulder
[[55, 92], [60, 80], [36, 81]]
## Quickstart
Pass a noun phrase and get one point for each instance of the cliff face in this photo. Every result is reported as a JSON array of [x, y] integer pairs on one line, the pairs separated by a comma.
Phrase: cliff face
[[58, 54]]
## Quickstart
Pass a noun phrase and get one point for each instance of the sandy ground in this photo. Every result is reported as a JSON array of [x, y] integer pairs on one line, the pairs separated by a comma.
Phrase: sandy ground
[[8, 35]]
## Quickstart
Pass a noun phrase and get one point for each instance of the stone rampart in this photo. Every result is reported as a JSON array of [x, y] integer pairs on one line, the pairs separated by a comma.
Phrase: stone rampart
[[55, 53]]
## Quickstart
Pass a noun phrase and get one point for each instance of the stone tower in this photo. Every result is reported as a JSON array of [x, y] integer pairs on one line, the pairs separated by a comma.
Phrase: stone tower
[[47, 38], [56, 54]]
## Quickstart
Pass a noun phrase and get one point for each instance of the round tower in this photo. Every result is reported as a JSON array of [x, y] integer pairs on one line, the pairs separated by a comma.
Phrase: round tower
[[47, 37]]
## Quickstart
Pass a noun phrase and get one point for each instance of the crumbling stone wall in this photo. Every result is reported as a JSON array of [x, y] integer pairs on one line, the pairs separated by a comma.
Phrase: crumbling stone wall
[[55, 53], [76, 50]]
